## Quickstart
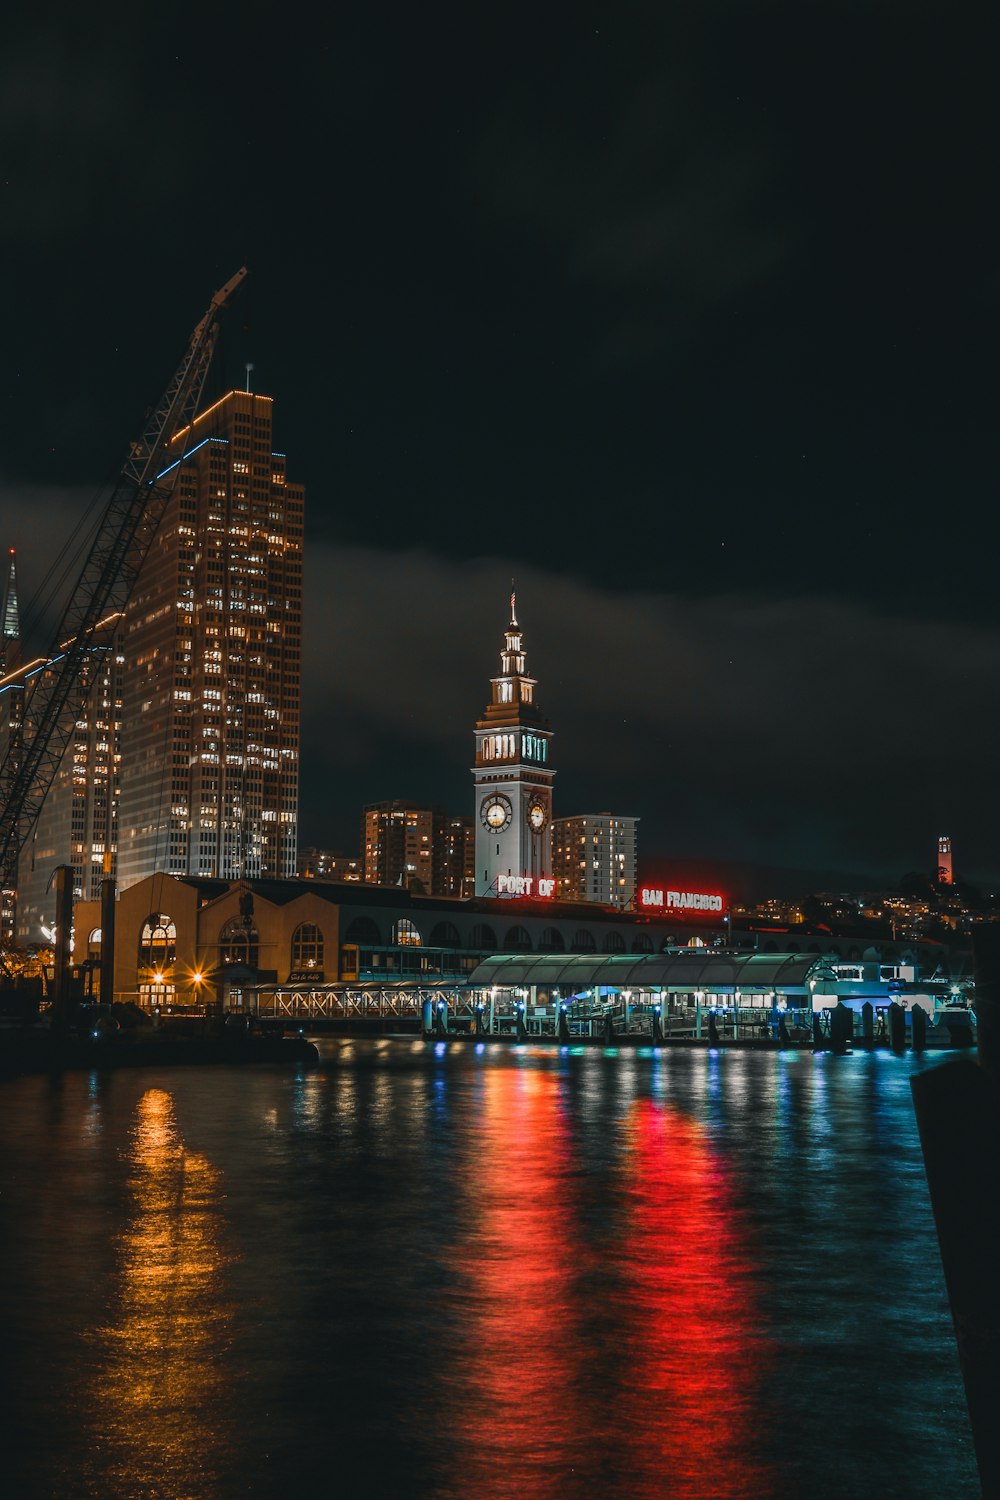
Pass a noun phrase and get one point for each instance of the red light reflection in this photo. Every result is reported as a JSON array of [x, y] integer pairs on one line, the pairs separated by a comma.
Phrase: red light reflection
[[689, 1407], [514, 1428], [622, 1356]]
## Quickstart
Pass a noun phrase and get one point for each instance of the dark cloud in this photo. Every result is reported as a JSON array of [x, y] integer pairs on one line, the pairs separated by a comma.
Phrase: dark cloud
[[810, 731], [815, 732], [662, 213]]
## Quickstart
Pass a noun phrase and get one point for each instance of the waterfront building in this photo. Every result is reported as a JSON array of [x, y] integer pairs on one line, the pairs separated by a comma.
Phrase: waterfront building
[[513, 776], [594, 858], [180, 939], [212, 646]]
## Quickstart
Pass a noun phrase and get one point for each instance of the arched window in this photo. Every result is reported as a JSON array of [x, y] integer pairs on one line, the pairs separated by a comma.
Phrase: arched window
[[364, 932], [405, 935], [483, 939], [445, 935], [94, 944], [551, 941], [157, 943], [642, 943], [614, 943], [307, 947], [517, 941], [583, 941], [239, 942]]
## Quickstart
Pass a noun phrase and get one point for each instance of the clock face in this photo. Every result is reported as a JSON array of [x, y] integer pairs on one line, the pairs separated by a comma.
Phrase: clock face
[[495, 812], [537, 816]]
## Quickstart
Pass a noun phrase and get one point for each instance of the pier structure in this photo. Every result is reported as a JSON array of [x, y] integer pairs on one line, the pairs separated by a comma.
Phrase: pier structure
[[684, 995]]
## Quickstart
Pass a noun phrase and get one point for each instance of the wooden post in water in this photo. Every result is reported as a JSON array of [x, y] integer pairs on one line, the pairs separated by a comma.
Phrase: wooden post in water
[[868, 1023], [957, 1105], [897, 1027], [918, 1028], [108, 911], [63, 927], [841, 1028]]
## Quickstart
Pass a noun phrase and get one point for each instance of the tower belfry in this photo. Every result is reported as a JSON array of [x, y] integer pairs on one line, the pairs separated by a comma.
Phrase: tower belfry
[[513, 780]]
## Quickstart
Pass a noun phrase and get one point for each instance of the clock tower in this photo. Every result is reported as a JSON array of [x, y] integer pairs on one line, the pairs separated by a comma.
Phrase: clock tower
[[513, 775]]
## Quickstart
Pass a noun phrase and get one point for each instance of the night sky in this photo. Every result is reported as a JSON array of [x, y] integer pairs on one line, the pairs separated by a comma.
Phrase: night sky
[[686, 316]]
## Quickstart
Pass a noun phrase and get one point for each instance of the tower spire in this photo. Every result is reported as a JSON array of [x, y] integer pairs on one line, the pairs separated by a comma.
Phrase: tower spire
[[513, 604]]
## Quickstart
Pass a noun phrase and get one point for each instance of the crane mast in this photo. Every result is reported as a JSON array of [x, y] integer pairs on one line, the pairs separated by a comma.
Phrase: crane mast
[[56, 693]]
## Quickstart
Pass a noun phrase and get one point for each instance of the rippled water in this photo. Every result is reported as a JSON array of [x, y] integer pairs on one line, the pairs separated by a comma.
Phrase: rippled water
[[462, 1272]]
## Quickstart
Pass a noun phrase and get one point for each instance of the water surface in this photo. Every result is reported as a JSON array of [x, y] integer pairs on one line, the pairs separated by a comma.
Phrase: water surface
[[462, 1271]]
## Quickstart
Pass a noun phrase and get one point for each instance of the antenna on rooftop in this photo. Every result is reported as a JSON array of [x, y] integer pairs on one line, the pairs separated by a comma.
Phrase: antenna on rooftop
[[249, 368]]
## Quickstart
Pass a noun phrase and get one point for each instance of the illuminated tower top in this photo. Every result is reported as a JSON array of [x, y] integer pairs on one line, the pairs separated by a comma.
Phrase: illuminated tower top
[[513, 691], [945, 870]]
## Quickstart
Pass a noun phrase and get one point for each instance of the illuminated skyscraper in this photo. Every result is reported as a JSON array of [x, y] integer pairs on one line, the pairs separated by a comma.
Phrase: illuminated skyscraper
[[513, 775], [212, 647], [10, 708], [10, 637]]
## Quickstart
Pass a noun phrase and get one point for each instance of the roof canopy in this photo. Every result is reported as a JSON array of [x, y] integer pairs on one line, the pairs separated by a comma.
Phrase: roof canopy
[[685, 969]]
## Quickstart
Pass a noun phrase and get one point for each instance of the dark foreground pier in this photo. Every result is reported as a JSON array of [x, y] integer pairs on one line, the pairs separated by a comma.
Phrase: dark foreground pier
[[957, 1107], [186, 1041]]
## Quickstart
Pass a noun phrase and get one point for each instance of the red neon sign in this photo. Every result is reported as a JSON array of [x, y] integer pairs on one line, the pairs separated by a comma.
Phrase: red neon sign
[[660, 898]]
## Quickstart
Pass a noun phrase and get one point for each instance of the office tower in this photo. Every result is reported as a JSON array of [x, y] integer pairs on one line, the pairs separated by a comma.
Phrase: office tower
[[77, 825], [10, 638], [513, 776], [402, 844], [594, 858], [212, 646], [11, 695]]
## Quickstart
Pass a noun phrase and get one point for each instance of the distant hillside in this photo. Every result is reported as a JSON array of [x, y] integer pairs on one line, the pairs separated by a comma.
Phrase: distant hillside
[[743, 882]]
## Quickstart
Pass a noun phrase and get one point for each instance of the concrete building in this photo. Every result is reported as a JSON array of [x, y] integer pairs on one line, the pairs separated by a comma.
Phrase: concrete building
[[212, 646], [594, 858], [513, 781]]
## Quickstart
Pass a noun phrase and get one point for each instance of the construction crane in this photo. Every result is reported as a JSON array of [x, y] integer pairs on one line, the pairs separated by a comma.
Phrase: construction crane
[[55, 693]]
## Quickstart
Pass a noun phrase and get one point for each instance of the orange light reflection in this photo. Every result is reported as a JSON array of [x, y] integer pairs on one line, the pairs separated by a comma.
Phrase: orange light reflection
[[158, 1390]]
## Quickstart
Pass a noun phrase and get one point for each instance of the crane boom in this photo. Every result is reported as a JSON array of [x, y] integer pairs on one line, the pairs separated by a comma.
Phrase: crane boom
[[56, 693]]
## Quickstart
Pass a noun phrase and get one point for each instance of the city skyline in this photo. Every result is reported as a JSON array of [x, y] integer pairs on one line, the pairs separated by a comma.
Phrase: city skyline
[[685, 320]]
